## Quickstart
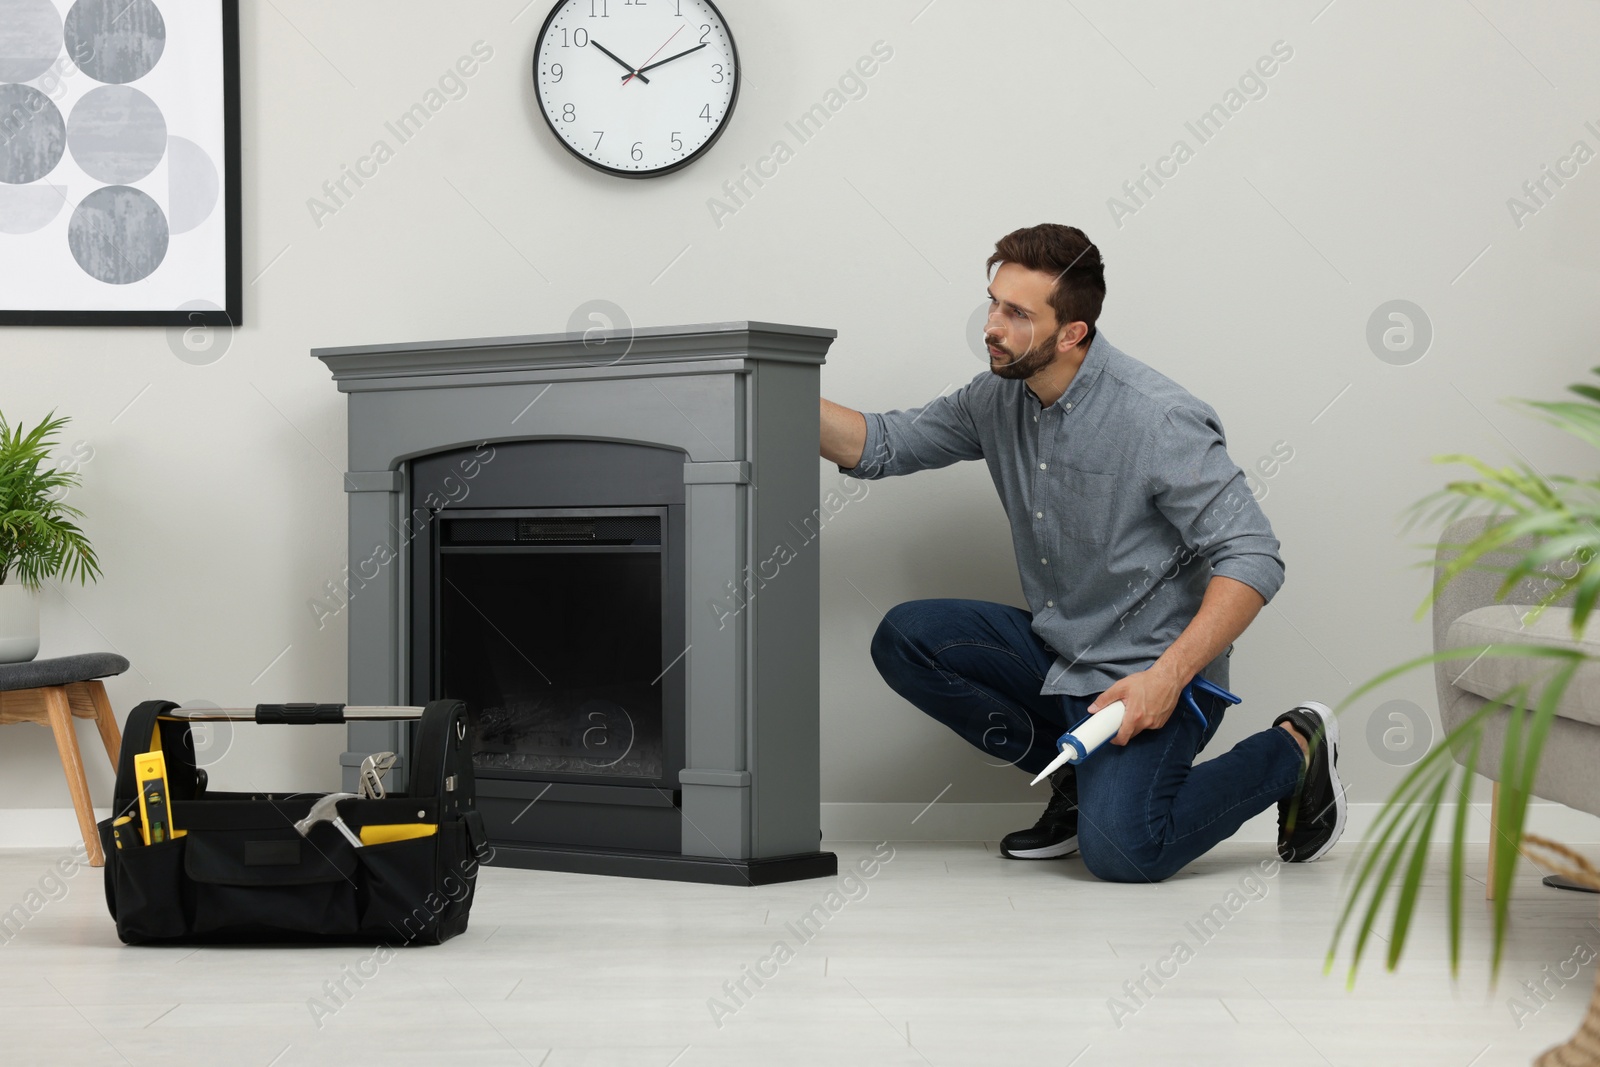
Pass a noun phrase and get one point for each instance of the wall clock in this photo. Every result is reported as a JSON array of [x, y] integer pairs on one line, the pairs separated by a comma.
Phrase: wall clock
[[636, 88]]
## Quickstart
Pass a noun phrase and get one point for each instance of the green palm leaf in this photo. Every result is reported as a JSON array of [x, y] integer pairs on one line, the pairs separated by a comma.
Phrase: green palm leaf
[[38, 538]]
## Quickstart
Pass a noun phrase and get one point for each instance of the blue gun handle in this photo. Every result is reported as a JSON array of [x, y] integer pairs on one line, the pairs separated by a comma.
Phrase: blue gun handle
[[1208, 688]]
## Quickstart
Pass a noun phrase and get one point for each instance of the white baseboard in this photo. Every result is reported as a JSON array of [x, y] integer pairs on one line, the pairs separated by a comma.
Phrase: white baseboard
[[42, 827], [990, 822], [58, 827]]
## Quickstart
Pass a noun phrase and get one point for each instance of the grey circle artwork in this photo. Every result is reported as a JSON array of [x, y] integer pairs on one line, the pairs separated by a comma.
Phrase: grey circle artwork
[[118, 235], [35, 135], [1399, 332], [115, 41], [192, 185], [597, 318], [26, 208], [30, 38], [198, 344], [1399, 733], [117, 134]]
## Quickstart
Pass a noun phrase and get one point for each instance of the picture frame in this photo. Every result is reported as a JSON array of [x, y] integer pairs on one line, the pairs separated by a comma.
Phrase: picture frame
[[120, 164]]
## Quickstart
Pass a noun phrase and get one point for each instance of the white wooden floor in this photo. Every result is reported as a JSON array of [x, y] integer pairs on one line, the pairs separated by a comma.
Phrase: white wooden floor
[[948, 955]]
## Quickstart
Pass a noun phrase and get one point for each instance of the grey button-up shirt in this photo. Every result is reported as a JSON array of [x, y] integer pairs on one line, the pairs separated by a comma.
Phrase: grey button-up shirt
[[1123, 503]]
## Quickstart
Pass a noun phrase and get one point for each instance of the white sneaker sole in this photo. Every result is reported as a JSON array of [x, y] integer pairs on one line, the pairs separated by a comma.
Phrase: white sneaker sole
[[1061, 848], [1330, 737]]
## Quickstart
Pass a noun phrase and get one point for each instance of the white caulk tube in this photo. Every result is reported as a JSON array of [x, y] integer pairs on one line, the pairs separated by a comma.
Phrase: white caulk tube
[[1094, 731]]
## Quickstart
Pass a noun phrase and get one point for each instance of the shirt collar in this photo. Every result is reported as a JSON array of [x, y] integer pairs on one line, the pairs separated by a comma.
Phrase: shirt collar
[[1094, 362]]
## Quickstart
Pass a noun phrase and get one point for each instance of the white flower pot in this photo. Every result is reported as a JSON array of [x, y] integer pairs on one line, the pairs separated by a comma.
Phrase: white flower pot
[[19, 624]]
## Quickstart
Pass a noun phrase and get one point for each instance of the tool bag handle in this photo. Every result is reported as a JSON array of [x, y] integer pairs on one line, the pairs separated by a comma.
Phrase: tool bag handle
[[300, 713], [311, 714], [440, 760], [145, 731], [441, 764]]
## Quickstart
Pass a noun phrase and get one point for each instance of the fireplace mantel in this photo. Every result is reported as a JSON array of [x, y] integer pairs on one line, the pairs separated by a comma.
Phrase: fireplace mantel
[[739, 401]]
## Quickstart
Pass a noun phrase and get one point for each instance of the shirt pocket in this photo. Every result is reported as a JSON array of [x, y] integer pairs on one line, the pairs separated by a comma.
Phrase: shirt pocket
[[1087, 502]]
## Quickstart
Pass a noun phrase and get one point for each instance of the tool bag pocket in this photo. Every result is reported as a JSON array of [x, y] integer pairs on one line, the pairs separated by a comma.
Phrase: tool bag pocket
[[252, 883], [421, 890], [404, 892], [145, 889]]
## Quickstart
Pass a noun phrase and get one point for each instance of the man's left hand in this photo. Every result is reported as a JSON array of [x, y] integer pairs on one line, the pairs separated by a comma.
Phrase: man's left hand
[[1149, 699]]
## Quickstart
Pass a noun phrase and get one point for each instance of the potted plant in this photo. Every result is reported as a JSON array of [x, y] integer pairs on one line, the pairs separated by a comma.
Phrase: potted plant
[[38, 537], [1535, 523]]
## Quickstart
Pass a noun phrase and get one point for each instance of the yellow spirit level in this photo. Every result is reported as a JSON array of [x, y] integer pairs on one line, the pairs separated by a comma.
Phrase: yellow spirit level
[[150, 771]]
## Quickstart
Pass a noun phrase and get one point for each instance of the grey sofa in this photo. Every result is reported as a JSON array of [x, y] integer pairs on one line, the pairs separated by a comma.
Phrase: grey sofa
[[1466, 614]]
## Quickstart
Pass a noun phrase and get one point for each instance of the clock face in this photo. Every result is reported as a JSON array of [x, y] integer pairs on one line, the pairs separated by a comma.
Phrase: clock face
[[636, 88]]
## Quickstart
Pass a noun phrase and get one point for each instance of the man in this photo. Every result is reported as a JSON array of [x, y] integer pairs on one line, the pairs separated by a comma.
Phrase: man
[[1142, 555]]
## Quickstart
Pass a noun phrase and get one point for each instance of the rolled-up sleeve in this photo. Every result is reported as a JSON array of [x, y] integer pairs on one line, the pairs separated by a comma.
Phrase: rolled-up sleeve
[[937, 434], [1206, 497]]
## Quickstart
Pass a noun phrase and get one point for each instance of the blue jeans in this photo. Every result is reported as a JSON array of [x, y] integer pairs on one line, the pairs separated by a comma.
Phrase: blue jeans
[[1144, 809]]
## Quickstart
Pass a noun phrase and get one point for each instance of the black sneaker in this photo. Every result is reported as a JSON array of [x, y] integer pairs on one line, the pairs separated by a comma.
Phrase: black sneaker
[[1056, 832], [1312, 818]]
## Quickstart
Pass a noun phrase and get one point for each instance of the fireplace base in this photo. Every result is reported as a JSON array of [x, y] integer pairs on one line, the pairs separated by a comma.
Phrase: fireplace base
[[676, 868]]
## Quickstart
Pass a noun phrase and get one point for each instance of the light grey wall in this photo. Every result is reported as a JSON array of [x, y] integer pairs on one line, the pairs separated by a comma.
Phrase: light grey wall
[[1377, 166]]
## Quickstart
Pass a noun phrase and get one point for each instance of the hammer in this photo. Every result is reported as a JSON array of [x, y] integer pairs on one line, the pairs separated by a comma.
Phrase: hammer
[[327, 810]]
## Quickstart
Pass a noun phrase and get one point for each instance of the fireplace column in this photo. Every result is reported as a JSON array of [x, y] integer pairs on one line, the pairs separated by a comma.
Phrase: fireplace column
[[373, 604]]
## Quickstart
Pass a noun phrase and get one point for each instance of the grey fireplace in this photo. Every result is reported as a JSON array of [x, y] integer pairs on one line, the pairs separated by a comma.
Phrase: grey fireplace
[[602, 543]]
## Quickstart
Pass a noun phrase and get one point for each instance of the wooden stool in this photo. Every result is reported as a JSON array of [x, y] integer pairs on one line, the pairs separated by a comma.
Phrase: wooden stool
[[52, 691]]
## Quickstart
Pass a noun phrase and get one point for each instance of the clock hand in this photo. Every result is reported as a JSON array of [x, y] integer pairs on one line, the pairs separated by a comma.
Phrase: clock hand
[[657, 52], [669, 59], [619, 61]]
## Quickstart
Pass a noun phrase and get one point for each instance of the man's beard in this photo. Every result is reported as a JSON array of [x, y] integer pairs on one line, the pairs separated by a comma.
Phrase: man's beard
[[1029, 363]]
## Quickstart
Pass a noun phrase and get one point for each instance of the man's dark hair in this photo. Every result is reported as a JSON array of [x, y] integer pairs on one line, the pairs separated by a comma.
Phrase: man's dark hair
[[1067, 253]]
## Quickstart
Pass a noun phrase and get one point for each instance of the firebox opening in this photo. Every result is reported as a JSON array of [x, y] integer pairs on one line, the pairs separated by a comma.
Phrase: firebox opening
[[557, 652]]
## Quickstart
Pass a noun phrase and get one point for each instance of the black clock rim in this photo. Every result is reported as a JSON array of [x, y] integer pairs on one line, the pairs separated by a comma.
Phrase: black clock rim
[[738, 79]]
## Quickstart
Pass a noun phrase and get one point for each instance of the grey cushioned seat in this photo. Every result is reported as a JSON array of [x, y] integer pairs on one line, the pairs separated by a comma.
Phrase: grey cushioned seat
[[60, 670], [1507, 624]]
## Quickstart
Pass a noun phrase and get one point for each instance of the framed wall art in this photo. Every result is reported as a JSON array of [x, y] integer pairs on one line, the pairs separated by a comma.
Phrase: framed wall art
[[119, 163]]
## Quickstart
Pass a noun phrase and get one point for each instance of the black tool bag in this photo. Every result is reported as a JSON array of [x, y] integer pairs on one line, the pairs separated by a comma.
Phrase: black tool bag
[[235, 868]]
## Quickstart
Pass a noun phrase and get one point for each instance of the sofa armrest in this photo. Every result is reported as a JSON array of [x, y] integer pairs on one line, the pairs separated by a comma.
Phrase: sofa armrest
[[1473, 589]]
